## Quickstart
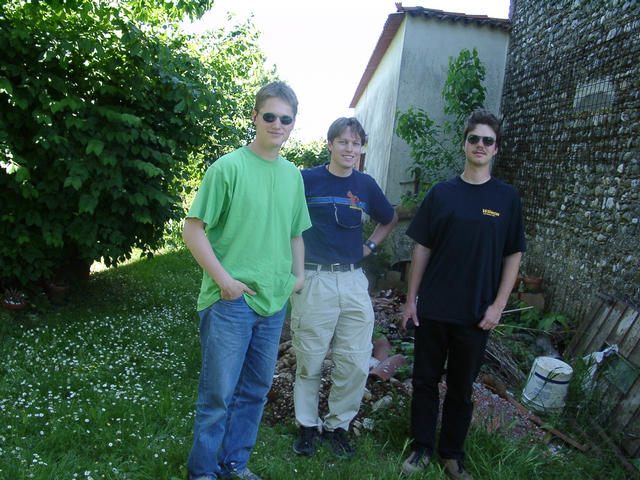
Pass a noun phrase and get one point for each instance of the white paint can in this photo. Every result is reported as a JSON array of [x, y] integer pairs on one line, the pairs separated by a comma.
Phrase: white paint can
[[547, 385]]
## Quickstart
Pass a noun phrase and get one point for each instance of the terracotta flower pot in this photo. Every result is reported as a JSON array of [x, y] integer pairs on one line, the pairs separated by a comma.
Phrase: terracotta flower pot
[[381, 349], [57, 292], [387, 369], [533, 284], [516, 284], [14, 299], [13, 306]]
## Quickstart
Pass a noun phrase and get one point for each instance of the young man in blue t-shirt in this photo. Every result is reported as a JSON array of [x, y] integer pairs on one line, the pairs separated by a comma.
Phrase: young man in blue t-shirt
[[334, 309], [469, 241]]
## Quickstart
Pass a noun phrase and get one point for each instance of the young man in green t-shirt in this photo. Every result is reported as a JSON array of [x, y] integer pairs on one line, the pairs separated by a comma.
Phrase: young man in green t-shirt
[[244, 229]]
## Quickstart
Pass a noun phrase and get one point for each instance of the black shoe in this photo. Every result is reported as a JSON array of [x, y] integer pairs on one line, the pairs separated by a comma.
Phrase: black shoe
[[416, 462], [305, 443], [338, 443], [455, 469]]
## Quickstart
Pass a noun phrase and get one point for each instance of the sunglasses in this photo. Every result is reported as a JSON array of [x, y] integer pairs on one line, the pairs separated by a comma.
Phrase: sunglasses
[[271, 117], [486, 141]]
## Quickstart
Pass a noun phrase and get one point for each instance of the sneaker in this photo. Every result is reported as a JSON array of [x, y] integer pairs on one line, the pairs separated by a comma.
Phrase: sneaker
[[338, 443], [305, 443], [416, 462], [245, 474], [454, 468]]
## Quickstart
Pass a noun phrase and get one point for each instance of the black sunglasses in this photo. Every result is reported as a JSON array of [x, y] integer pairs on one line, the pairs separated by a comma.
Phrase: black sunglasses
[[271, 117], [486, 141]]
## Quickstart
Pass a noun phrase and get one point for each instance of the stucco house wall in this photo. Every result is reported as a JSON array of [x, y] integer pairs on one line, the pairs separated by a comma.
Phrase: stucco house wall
[[377, 108], [408, 68], [429, 44]]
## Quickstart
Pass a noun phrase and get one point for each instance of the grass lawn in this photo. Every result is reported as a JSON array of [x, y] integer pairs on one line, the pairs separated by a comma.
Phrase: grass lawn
[[104, 387]]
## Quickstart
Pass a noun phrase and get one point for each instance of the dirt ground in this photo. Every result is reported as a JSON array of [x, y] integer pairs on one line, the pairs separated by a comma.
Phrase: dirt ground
[[492, 412]]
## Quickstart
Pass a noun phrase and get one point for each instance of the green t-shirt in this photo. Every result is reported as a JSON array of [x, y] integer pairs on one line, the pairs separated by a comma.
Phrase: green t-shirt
[[252, 208]]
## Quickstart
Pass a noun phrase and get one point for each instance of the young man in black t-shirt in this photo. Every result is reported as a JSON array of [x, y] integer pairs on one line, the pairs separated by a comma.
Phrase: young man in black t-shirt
[[469, 241]]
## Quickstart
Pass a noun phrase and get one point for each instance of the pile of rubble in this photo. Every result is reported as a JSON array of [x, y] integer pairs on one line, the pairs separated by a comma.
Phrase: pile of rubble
[[493, 411]]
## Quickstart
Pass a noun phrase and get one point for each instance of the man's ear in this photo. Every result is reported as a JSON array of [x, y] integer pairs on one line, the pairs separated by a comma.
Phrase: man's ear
[[254, 114]]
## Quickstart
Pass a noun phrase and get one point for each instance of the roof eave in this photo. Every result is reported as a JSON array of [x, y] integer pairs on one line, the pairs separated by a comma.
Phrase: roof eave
[[392, 25]]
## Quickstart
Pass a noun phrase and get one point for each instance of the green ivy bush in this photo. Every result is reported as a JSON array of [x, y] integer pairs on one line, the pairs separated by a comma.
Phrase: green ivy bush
[[106, 122]]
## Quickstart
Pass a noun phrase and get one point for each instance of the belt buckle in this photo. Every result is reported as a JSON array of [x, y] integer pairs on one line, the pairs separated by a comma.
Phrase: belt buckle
[[334, 265]]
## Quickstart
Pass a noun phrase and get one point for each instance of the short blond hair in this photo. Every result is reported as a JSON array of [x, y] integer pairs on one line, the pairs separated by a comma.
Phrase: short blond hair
[[279, 90]]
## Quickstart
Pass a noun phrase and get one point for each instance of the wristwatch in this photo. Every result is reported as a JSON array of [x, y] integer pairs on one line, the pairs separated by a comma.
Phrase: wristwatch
[[370, 245]]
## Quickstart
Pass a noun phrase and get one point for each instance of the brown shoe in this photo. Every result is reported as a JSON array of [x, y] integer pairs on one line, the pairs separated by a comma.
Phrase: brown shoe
[[454, 469], [416, 462]]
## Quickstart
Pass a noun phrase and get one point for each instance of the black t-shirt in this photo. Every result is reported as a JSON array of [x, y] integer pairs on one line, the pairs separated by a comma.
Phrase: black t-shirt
[[469, 230]]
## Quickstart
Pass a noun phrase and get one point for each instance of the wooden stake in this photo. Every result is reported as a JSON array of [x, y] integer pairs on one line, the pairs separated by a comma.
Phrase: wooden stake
[[625, 463], [498, 387]]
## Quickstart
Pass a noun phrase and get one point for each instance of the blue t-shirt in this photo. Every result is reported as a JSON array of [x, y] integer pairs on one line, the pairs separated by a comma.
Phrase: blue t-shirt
[[335, 206], [469, 230]]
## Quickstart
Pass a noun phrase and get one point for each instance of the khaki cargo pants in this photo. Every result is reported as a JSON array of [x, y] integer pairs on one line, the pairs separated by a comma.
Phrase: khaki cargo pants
[[333, 311]]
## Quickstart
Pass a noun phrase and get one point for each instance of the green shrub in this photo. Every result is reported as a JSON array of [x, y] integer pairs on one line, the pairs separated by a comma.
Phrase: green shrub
[[306, 154], [103, 121]]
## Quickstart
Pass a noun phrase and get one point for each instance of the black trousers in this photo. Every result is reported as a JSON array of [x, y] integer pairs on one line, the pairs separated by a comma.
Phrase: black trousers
[[464, 347]]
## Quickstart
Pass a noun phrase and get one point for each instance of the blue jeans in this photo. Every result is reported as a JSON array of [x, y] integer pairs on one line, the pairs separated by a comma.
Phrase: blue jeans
[[239, 352]]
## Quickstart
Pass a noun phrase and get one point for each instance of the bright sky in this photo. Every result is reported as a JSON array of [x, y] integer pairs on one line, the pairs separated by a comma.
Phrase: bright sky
[[321, 48]]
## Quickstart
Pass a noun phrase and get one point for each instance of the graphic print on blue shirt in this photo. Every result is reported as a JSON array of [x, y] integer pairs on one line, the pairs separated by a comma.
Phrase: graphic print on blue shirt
[[347, 211], [336, 207]]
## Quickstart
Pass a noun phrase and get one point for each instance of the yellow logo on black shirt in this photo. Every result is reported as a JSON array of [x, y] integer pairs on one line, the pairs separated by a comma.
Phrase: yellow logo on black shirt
[[490, 213]]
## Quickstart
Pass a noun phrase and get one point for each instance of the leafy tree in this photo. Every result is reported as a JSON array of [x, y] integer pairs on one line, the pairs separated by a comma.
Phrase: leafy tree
[[306, 154], [234, 67], [463, 91], [156, 12], [435, 148], [103, 120]]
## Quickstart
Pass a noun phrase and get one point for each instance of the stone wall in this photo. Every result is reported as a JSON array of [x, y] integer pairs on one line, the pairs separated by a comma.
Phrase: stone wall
[[571, 108]]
